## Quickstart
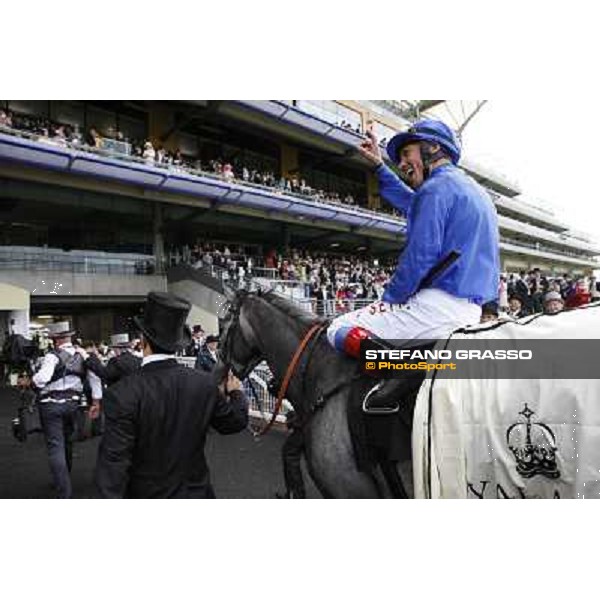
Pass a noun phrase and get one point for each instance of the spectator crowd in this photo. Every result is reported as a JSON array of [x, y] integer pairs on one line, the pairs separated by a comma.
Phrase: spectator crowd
[[155, 153], [527, 293]]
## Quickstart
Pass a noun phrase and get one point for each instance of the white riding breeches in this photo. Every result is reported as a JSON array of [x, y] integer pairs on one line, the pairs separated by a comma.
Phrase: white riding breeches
[[429, 314]]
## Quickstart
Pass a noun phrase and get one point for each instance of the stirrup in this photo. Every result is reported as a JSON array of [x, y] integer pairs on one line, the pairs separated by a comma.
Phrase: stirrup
[[378, 411]]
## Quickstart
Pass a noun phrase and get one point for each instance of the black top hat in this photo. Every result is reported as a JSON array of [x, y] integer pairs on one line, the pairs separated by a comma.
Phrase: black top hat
[[490, 308], [212, 338], [163, 322]]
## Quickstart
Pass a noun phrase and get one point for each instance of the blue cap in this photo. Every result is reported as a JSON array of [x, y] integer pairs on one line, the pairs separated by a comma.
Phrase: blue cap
[[427, 130]]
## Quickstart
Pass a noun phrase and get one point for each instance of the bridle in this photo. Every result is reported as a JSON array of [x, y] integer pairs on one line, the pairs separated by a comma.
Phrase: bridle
[[312, 331]]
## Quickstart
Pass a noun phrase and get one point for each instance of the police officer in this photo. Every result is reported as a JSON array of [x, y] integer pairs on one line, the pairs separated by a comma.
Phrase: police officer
[[59, 384]]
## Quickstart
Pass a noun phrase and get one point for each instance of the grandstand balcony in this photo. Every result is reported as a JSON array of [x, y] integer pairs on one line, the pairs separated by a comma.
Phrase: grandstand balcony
[[56, 275], [223, 194], [492, 180], [306, 117], [530, 250], [305, 125], [519, 209], [560, 242]]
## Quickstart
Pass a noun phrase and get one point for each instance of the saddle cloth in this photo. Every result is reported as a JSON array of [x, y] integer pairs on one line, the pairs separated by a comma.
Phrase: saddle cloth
[[501, 438]]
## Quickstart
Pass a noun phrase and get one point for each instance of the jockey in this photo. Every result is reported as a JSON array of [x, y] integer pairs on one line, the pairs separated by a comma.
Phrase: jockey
[[450, 265]]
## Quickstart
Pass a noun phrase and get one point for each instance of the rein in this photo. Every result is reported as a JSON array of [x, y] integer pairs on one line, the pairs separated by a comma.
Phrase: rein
[[290, 372]]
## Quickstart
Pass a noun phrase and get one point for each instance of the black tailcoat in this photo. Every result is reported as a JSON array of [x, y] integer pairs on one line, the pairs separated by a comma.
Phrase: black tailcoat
[[155, 429]]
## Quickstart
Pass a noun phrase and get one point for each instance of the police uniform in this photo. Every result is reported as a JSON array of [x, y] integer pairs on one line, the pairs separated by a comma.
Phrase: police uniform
[[59, 383]]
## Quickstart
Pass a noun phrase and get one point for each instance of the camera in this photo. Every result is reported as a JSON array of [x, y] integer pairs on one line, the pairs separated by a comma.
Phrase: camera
[[27, 420]]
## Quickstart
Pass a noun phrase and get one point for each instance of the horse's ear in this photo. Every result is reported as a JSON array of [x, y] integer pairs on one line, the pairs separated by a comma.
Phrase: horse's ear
[[229, 293]]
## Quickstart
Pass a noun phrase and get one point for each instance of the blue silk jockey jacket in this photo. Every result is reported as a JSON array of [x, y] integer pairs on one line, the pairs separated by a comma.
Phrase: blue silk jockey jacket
[[448, 212]]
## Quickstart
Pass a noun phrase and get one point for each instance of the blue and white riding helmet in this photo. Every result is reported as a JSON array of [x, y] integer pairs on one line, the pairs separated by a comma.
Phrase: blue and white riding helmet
[[426, 130]]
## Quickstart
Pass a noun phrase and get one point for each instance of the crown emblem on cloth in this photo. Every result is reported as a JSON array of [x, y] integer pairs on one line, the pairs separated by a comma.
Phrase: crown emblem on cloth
[[533, 445]]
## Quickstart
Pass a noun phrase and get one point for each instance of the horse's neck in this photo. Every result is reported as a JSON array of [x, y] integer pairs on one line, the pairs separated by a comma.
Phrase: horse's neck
[[278, 336], [319, 369]]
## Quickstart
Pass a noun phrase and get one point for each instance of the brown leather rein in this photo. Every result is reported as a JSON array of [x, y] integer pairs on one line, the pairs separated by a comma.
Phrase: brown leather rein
[[315, 327]]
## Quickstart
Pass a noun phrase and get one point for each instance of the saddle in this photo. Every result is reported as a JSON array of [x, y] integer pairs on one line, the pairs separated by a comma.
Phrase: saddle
[[383, 435]]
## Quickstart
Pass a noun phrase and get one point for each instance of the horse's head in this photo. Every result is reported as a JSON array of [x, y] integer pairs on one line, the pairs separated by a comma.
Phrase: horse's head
[[239, 349]]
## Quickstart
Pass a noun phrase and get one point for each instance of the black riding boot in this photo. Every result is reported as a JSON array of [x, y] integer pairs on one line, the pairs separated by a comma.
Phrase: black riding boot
[[384, 398]]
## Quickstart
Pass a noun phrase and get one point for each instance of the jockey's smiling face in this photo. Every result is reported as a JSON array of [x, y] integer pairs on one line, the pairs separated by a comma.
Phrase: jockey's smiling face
[[411, 165]]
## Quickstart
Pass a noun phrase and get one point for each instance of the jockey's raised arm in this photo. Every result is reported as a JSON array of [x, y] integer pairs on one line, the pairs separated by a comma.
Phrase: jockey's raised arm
[[393, 190]]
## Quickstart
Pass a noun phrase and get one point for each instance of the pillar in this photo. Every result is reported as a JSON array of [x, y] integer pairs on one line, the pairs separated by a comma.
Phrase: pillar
[[373, 199], [160, 121], [158, 240], [289, 161]]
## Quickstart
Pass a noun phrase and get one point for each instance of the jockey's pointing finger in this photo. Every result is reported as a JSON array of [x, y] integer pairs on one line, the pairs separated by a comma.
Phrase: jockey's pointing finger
[[372, 137]]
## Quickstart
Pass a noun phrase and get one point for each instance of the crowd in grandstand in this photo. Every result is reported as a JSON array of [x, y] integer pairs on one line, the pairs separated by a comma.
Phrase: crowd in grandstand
[[153, 153], [335, 282], [326, 277]]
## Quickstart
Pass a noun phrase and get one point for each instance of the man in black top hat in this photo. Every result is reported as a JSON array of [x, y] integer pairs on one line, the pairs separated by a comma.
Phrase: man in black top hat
[[157, 419], [122, 364], [207, 357], [489, 312]]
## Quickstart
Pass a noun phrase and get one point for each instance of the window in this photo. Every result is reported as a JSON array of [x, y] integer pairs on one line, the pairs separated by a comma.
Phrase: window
[[383, 132], [29, 107], [132, 129], [69, 113], [104, 121], [335, 179], [332, 112]]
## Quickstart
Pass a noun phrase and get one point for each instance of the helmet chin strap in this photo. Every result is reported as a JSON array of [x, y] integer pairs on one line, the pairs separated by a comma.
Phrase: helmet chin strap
[[428, 157]]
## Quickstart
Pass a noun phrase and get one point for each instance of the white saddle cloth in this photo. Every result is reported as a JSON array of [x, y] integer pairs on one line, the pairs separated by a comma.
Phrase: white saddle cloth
[[502, 438]]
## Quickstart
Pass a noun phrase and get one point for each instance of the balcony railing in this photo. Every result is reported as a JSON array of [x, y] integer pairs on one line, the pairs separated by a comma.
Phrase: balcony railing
[[81, 264], [112, 151]]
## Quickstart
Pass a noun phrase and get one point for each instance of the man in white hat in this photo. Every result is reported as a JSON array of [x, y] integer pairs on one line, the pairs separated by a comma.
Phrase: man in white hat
[[553, 303], [122, 364], [59, 383]]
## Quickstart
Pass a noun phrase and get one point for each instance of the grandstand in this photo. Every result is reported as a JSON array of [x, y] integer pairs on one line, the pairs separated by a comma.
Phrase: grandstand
[[99, 199]]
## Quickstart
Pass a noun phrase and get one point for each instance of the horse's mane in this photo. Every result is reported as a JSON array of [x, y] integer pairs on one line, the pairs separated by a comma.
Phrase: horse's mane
[[288, 307]]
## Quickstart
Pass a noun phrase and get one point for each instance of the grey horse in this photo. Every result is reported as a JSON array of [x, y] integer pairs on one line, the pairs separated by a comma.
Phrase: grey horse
[[264, 326]]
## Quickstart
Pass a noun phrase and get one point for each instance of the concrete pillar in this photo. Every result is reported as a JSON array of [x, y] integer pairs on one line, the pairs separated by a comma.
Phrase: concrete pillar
[[159, 242], [289, 161], [160, 121], [373, 199], [285, 237], [18, 321]]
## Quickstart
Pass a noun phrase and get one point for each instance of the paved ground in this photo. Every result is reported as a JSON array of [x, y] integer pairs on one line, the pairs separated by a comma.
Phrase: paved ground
[[241, 467]]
